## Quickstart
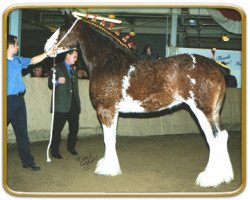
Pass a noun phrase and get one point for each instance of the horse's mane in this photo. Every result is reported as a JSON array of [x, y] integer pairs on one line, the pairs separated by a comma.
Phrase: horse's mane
[[110, 51], [107, 35]]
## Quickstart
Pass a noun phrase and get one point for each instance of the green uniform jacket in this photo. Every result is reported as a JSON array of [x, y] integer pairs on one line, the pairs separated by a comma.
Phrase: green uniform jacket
[[63, 93]]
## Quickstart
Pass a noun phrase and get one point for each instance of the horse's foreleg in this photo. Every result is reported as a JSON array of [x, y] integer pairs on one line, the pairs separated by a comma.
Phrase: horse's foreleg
[[219, 167], [109, 164]]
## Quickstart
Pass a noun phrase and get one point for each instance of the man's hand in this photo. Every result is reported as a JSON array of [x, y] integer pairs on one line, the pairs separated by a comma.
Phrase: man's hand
[[52, 52], [61, 80]]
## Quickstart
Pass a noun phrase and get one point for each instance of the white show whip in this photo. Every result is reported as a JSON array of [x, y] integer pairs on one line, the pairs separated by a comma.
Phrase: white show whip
[[53, 109]]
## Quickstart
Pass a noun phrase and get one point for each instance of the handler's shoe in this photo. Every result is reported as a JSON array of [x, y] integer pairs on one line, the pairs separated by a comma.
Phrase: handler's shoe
[[33, 167], [58, 156], [73, 151]]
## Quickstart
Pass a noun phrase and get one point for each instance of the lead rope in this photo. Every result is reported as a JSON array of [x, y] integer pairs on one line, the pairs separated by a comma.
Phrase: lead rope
[[53, 106]]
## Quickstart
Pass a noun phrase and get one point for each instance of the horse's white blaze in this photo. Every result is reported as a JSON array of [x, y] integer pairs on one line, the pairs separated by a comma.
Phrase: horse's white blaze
[[52, 40], [127, 103], [194, 61], [109, 164]]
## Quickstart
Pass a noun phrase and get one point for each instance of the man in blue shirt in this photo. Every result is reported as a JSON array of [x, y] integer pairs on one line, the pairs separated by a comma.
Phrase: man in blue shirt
[[16, 109]]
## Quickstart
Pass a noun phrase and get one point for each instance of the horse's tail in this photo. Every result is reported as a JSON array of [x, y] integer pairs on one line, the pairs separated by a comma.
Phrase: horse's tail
[[225, 70]]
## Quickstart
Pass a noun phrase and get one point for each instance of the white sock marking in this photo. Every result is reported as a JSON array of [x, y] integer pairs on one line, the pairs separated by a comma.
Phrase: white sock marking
[[109, 164], [219, 168]]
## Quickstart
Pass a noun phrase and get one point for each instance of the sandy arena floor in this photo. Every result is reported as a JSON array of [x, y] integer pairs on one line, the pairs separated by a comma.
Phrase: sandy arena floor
[[156, 164]]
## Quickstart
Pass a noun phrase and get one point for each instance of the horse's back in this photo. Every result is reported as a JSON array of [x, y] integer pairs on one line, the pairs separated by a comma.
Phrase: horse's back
[[158, 84]]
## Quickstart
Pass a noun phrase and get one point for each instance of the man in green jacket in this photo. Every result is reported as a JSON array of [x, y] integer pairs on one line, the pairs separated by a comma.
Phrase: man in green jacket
[[67, 104]]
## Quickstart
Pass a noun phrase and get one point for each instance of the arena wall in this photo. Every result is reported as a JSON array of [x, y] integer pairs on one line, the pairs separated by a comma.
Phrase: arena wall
[[175, 121]]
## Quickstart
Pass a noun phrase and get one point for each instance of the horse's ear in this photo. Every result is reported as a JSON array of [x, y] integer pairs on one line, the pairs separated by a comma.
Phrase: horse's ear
[[67, 18], [66, 14]]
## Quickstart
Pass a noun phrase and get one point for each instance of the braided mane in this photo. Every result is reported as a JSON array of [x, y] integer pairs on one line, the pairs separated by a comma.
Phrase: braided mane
[[109, 33]]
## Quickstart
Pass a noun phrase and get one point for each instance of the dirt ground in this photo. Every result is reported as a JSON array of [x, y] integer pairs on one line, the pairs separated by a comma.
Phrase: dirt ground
[[156, 164]]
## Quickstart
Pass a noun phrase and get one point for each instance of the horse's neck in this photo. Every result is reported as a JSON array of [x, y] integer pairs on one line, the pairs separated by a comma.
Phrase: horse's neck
[[92, 52], [97, 51]]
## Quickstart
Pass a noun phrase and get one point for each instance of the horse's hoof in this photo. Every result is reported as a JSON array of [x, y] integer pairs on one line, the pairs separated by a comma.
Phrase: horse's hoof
[[209, 179], [107, 168]]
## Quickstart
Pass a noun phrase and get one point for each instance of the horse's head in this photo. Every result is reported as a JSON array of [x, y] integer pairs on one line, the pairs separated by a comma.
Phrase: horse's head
[[64, 38]]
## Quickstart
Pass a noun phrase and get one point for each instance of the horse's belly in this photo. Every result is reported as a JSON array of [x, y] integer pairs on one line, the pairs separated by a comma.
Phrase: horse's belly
[[128, 105]]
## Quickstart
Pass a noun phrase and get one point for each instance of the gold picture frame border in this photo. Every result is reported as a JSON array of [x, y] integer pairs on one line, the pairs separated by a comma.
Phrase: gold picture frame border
[[167, 5]]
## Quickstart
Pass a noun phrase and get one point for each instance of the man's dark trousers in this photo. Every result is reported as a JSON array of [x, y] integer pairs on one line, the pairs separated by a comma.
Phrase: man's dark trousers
[[16, 115], [59, 121]]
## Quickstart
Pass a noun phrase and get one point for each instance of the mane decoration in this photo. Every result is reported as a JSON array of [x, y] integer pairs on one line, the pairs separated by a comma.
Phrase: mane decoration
[[95, 18]]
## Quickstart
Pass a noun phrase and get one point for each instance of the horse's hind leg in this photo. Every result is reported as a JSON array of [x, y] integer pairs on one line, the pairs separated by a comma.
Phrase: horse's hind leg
[[109, 164], [219, 168]]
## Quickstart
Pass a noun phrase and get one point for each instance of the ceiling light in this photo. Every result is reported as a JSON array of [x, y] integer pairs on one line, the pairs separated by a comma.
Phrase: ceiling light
[[192, 22], [225, 38]]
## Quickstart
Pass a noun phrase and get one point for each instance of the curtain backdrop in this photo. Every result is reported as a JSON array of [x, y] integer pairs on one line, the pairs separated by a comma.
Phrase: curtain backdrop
[[229, 19]]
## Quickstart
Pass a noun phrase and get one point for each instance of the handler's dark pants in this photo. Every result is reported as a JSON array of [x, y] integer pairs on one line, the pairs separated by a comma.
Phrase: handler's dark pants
[[59, 121], [16, 115]]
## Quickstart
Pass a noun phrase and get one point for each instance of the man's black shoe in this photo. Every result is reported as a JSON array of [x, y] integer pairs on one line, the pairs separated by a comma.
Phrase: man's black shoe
[[33, 167], [58, 156], [73, 151]]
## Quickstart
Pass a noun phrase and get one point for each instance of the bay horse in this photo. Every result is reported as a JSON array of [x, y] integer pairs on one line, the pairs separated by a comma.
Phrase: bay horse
[[120, 82]]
